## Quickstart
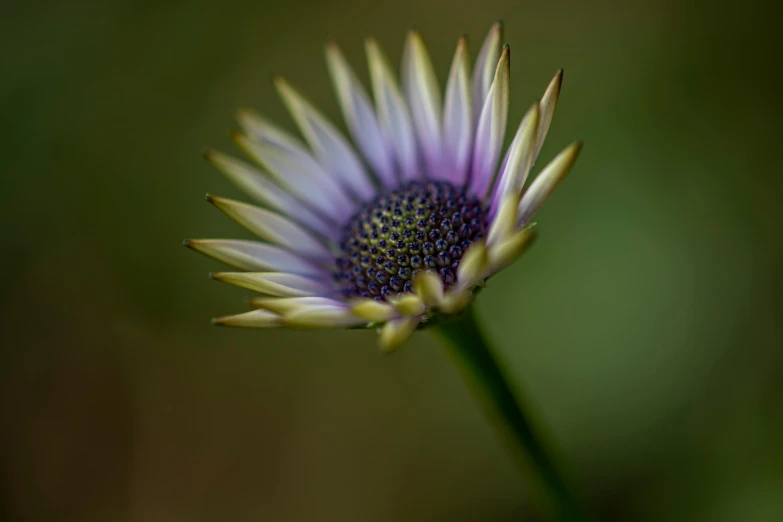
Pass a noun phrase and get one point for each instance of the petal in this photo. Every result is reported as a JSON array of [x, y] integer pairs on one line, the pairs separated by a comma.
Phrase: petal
[[396, 332], [322, 317], [265, 191], [330, 147], [491, 129], [359, 116], [547, 181], [252, 319], [409, 304], [429, 287], [486, 62], [502, 255], [458, 116], [255, 256], [284, 305], [393, 114], [273, 228], [472, 266], [274, 283], [519, 158], [374, 311], [423, 94], [548, 104], [505, 220], [293, 167]]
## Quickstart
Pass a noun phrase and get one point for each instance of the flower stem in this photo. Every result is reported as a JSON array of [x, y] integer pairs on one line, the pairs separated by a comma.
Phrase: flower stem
[[471, 351]]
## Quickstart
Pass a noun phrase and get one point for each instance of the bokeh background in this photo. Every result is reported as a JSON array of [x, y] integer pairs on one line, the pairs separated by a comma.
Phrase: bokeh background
[[644, 326]]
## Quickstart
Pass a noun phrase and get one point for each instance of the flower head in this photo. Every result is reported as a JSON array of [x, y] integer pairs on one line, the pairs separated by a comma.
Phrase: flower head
[[408, 228]]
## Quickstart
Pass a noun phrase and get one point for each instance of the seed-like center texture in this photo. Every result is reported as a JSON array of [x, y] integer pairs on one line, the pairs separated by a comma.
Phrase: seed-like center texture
[[418, 226]]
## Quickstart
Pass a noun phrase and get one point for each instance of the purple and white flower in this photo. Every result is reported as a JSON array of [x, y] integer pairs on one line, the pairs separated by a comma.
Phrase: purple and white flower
[[406, 223]]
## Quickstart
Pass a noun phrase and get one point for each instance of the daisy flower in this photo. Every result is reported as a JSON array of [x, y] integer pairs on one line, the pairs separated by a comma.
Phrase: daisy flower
[[402, 226]]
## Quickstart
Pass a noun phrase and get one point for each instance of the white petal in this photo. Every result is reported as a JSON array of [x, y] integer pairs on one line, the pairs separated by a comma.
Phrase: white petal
[[296, 170], [252, 319], [458, 117], [359, 116], [322, 317], [491, 129], [255, 256], [330, 147], [548, 104], [393, 114], [285, 305], [424, 99], [547, 181], [505, 220], [265, 191], [273, 228], [429, 287], [486, 62], [502, 255], [472, 266], [274, 283], [396, 332], [409, 304], [519, 159], [374, 311]]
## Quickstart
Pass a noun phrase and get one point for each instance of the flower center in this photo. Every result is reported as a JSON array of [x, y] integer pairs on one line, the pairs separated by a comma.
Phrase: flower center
[[418, 226]]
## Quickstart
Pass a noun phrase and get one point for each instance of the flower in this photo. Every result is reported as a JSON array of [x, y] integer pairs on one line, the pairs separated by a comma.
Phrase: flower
[[409, 228]]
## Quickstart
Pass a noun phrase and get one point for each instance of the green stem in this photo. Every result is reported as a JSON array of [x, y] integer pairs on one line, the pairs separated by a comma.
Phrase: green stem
[[483, 373]]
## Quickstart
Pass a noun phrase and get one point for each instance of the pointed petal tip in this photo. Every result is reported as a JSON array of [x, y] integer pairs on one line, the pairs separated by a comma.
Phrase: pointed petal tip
[[558, 78], [496, 29], [503, 68], [573, 149], [220, 321], [251, 319], [280, 82], [547, 181], [245, 114]]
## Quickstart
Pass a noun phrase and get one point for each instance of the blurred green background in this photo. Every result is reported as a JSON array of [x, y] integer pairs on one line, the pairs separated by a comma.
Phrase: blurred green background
[[644, 326]]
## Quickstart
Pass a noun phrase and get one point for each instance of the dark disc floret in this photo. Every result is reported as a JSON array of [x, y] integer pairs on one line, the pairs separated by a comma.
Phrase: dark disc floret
[[419, 226]]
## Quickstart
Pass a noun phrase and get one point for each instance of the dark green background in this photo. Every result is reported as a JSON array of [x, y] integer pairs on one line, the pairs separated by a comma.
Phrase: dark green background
[[644, 325]]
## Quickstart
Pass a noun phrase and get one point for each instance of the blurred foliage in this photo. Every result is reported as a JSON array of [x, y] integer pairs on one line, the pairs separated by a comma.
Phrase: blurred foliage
[[644, 325]]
